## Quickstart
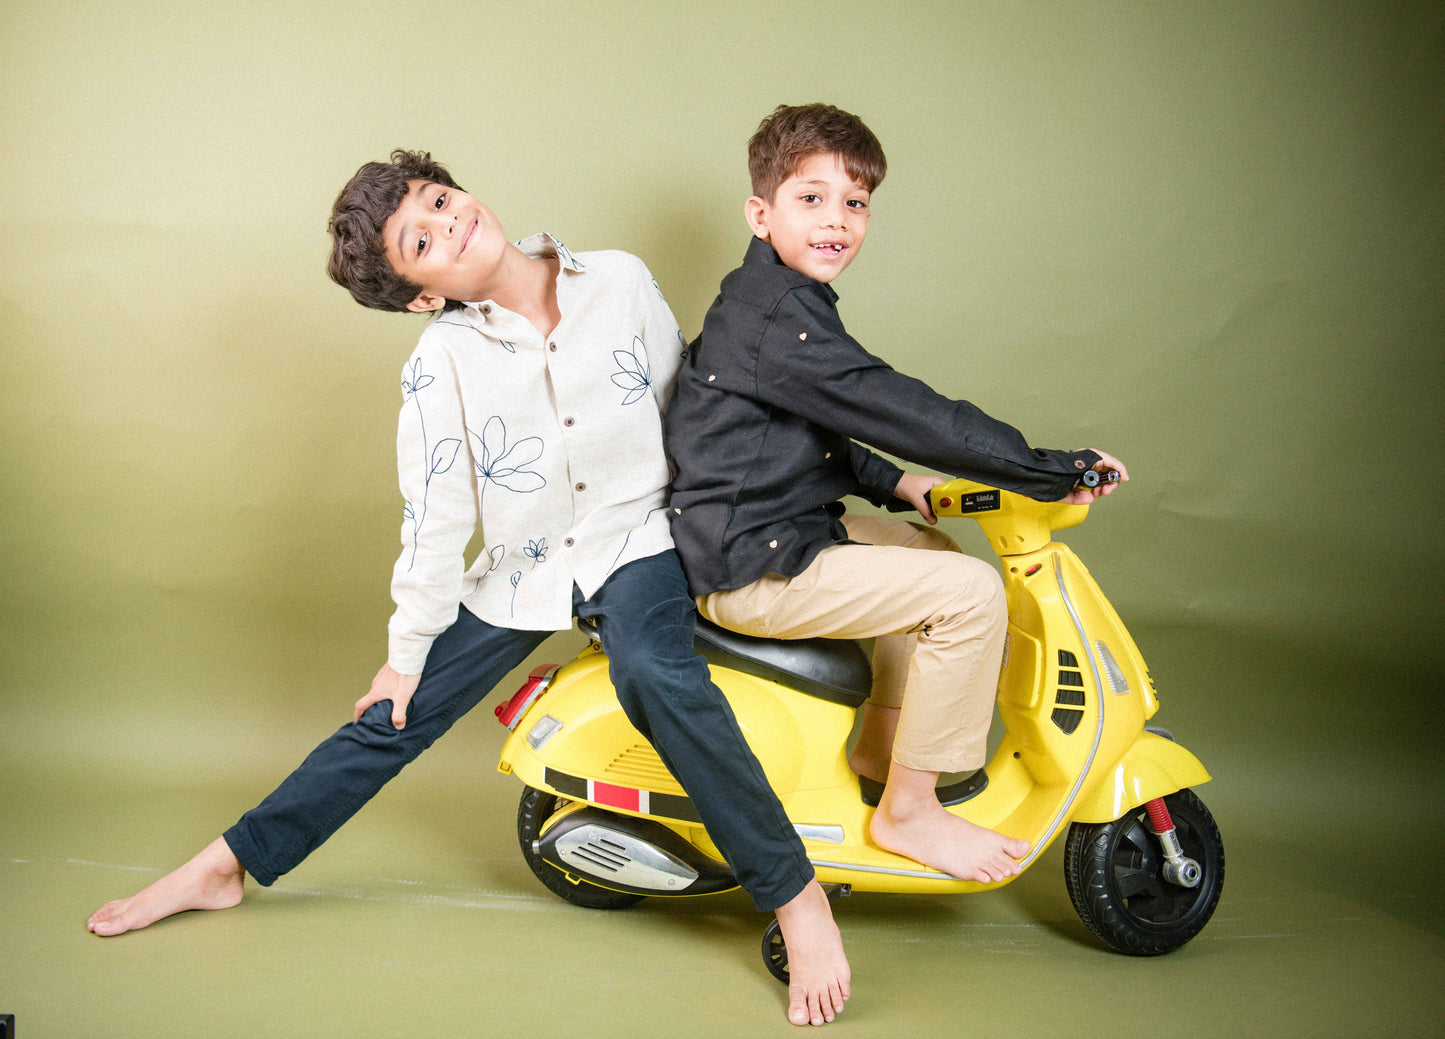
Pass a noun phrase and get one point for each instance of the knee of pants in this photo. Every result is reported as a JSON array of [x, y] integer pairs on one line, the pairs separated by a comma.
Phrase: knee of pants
[[374, 730], [932, 539], [975, 589]]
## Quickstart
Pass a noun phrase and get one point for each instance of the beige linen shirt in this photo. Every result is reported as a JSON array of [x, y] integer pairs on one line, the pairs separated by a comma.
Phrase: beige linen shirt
[[549, 448]]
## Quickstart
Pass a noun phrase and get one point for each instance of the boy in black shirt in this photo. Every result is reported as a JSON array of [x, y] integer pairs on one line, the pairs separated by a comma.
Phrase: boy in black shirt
[[762, 429]]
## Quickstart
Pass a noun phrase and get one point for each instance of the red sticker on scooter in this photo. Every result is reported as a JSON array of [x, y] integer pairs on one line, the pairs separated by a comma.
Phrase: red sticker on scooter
[[617, 796]]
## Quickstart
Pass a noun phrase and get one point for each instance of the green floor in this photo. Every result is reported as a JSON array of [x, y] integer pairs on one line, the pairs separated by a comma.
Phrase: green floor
[[420, 918]]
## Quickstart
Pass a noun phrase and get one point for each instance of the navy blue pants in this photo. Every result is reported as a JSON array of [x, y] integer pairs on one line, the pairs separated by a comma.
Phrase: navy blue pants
[[645, 619]]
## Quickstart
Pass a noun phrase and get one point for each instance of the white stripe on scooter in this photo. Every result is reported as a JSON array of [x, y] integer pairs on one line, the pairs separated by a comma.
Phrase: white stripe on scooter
[[1062, 814]]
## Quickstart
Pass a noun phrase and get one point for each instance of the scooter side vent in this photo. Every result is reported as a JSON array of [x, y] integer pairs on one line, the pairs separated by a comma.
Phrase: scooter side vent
[[1070, 694], [640, 766]]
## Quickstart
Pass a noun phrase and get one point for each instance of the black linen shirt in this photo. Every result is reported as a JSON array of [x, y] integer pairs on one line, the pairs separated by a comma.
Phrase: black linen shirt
[[762, 426]]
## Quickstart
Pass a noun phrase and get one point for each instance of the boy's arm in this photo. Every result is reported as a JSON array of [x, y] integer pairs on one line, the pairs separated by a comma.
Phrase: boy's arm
[[823, 375], [440, 514], [661, 339], [877, 477]]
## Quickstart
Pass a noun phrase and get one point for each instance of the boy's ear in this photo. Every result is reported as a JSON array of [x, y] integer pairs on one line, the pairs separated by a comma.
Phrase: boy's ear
[[425, 303], [756, 212]]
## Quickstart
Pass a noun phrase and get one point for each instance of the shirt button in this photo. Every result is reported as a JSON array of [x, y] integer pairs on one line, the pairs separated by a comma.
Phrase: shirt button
[[486, 308], [568, 542], [581, 487], [552, 347], [569, 421], [772, 544]]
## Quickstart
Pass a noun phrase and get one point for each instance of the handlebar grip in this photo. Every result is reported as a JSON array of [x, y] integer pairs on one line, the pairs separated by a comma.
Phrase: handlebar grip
[[1092, 477]]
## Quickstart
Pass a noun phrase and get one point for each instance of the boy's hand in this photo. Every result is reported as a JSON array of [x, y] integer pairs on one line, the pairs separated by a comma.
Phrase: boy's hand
[[913, 488], [392, 685], [1084, 495]]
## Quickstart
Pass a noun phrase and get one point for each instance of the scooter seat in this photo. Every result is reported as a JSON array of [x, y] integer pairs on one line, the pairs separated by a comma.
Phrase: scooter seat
[[836, 670]]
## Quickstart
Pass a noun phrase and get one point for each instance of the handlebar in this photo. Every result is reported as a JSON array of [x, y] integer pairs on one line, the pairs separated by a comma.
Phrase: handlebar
[[1093, 477], [1014, 524]]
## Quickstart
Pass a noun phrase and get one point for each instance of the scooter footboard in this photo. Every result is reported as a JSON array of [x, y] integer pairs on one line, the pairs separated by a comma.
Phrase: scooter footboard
[[1151, 768]]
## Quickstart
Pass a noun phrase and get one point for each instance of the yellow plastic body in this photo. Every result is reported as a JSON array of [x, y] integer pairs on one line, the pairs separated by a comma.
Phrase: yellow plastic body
[[1074, 694]]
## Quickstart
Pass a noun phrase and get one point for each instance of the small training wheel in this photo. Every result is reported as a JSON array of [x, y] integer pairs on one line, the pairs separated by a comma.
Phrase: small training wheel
[[775, 952]]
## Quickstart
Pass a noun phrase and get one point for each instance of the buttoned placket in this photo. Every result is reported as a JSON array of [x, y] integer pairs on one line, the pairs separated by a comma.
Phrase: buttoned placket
[[553, 355]]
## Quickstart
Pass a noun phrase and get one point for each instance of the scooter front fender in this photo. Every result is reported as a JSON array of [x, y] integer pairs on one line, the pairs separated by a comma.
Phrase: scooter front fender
[[1151, 768]]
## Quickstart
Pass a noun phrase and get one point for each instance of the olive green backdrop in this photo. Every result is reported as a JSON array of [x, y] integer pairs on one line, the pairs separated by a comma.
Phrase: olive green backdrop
[[1209, 238]]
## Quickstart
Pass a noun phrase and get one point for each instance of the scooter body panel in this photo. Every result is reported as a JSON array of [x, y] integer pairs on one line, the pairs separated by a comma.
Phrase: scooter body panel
[[1074, 694], [1152, 767]]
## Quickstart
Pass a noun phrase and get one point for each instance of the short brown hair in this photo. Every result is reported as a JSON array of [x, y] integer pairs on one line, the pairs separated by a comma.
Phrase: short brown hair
[[358, 260], [793, 132]]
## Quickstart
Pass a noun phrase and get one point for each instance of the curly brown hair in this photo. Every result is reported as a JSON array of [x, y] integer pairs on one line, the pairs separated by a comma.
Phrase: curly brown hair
[[793, 132], [358, 260]]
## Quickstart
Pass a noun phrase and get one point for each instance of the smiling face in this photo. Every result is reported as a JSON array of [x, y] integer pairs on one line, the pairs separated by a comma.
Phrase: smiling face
[[817, 219], [447, 242]]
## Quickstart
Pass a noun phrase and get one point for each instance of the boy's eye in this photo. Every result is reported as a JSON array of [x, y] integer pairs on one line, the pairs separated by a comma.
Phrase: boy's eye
[[857, 203], [810, 198], [441, 201], [421, 245]]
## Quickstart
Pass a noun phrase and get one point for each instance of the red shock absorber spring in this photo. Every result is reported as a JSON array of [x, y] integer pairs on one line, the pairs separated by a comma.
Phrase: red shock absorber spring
[[1159, 815]]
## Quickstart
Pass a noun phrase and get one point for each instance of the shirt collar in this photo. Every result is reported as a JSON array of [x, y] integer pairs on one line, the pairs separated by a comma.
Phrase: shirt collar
[[536, 246], [543, 244], [761, 252]]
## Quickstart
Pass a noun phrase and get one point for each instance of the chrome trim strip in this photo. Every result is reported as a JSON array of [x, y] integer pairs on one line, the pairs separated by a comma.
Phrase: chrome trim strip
[[1058, 820], [853, 867], [814, 832]]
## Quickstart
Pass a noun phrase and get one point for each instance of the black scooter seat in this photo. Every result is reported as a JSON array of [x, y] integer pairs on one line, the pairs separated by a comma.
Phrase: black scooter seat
[[836, 670]]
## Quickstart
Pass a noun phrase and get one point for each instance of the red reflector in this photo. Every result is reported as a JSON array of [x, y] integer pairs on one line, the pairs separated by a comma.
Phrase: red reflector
[[1033, 569], [511, 712], [945, 503]]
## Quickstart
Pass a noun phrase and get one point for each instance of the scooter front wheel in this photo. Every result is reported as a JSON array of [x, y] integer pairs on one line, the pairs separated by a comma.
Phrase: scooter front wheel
[[1115, 876], [535, 808]]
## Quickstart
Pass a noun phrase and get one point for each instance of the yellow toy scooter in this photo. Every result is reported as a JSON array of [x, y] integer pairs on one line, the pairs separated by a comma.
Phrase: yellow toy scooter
[[603, 824]]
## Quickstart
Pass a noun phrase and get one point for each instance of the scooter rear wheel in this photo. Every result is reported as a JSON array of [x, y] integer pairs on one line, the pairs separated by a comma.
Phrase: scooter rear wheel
[[775, 953], [1114, 875], [535, 808]]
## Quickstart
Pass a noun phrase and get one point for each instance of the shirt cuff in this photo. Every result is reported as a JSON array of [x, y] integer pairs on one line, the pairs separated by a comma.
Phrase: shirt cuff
[[407, 653]]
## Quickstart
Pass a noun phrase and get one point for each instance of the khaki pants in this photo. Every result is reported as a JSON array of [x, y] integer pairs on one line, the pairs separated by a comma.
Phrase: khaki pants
[[939, 618]]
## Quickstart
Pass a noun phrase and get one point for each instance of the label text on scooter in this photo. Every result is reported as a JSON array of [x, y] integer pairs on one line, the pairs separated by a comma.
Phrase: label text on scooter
[[978, 501]]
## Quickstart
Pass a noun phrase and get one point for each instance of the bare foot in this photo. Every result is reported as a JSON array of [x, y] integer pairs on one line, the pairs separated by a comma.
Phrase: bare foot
[[214, 879], [910, 821], [818, 975]]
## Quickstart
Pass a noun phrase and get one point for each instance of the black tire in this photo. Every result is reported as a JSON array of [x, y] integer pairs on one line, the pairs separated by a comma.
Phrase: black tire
[[535, 808], [1113, 873], [775, 953]]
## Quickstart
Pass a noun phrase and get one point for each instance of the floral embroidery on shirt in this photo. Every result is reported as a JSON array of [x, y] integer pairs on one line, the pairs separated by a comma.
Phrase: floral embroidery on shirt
[[507, 466], [496, 555], [438, 459], [629, 536], [536, 551], [568, 260], [633, 374]]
